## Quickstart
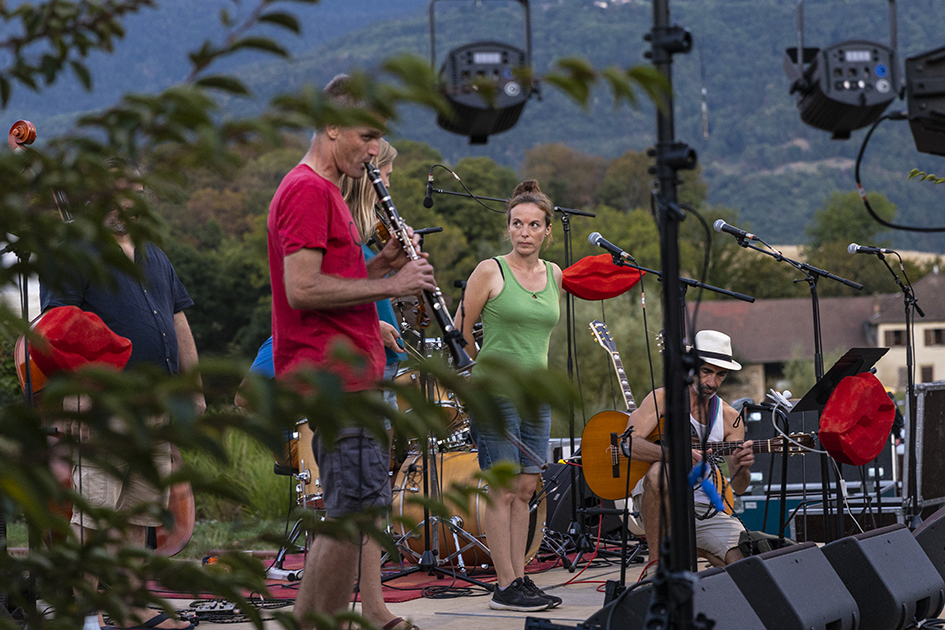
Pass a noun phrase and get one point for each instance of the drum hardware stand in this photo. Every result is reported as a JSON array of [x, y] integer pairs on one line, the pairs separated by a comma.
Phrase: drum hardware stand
[[276, 572], [427, 560]]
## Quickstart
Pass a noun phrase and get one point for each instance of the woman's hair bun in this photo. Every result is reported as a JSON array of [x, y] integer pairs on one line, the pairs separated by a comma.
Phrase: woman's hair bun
[[528, 186]]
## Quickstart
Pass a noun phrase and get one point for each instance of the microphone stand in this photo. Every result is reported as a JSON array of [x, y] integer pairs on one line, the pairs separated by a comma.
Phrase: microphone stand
[[911, 305], [621, 262], [812, 275], [576, 529], [440, 191]]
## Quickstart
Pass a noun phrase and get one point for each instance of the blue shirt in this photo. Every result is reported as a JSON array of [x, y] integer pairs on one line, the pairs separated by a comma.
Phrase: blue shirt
[[263, 365], [142, 311], [385, 312]]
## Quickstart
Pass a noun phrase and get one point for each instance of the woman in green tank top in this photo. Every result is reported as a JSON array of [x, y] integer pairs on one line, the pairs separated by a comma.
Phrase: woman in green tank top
[[516, 296]]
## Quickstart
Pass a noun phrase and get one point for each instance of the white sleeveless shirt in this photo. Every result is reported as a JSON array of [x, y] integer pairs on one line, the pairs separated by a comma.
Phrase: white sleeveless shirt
[[716, 434]]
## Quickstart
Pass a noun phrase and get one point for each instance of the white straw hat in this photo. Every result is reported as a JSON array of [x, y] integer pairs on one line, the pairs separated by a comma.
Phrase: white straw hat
[[716, 348]]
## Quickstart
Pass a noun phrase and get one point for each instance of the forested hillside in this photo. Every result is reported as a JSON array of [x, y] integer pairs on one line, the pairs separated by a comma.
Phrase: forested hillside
[[758, 158]]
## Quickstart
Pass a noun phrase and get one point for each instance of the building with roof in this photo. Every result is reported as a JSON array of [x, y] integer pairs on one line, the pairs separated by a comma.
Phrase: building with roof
[[767, 334]]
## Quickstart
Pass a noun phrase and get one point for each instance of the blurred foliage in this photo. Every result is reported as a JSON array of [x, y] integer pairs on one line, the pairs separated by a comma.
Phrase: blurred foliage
[[213, 174]]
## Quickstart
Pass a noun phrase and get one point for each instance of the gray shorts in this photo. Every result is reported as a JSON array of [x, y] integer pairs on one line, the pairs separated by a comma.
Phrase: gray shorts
[[354, 474], [524, 441]]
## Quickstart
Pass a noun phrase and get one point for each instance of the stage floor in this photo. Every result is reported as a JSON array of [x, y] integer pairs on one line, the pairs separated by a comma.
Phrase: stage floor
[[581, 600]]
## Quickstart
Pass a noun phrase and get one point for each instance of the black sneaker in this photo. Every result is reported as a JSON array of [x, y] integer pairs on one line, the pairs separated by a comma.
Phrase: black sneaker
[[532, 589], [517, 597]]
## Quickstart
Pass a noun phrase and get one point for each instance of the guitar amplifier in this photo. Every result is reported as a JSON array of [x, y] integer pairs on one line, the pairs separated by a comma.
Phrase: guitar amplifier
[[930, 434], [810, 526], [806, 469]]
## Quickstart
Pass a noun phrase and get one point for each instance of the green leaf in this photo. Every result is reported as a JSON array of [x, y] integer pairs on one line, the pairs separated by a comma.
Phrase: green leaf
[[50, 67], [225, 83], [259, 43], [4, 91], [285, 20], [82, 73]]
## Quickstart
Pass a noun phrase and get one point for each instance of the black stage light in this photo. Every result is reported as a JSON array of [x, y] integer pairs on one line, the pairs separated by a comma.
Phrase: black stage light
[[925, 94], [486, 84], [845, 86]]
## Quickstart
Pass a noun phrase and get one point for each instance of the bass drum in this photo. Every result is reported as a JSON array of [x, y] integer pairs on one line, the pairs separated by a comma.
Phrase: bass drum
[[454, 468], [303, 460]]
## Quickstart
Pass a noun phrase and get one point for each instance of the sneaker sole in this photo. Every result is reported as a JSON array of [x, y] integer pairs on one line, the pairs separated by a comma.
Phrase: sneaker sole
[[494, 605]]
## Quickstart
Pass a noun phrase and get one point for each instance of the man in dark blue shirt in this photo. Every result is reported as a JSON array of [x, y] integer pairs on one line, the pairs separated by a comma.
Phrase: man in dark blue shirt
[[149, 312]]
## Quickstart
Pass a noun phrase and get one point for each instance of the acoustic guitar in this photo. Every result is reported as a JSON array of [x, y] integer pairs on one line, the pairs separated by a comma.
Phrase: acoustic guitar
[[604, 464]]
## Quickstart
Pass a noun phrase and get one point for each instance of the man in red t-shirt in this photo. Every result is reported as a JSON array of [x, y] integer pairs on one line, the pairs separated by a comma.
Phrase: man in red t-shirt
[[323, 298]]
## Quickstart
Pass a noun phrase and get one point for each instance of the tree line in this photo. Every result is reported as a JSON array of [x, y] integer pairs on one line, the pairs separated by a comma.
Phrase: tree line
[[217, 240]]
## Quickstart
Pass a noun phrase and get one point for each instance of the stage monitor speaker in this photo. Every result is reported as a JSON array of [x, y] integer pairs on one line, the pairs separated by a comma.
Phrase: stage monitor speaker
[[715, 595], [931, 537], [795, 588], [557, 480], [925, 94], [890, 577]]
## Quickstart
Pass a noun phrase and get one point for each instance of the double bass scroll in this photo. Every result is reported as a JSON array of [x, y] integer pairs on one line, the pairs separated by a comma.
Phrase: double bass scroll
[[452, 337]]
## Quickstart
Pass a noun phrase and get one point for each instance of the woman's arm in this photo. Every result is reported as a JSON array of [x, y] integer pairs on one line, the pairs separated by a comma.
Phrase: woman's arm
[[480, 288]]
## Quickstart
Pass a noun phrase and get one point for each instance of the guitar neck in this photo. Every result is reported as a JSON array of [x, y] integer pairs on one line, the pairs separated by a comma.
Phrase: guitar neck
[[624, 383], [758, 446]]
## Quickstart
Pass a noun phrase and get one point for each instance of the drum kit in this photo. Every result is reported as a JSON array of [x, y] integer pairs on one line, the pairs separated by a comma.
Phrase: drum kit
[[452, 461]]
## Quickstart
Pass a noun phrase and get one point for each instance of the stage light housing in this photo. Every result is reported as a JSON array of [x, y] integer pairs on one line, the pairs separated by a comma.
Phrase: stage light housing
[[925, 95], [844, 87], [486, 83]]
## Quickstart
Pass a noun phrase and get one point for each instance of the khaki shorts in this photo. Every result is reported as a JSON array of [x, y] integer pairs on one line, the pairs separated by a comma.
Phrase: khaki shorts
[[717, 534], [101, 489]]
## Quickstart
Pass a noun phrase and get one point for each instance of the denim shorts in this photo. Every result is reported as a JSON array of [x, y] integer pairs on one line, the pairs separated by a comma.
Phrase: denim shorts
[[524, 442], [353, 474]]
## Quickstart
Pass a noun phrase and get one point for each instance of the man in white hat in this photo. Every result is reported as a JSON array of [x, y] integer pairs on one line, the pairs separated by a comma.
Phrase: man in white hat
[[711, 419]]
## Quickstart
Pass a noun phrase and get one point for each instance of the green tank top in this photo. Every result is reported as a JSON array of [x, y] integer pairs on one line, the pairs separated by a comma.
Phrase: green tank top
[[517, 324]]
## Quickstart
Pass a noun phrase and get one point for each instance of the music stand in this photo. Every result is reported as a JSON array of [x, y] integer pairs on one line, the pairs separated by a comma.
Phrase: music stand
[[853, 362]]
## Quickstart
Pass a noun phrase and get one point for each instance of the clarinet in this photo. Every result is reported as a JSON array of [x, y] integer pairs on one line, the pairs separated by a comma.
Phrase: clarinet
[[398, 228]]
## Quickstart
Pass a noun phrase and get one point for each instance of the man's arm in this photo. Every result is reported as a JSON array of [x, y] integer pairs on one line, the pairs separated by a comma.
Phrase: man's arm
[[739, 462], [307, 288], [644, 420], [187, 354]]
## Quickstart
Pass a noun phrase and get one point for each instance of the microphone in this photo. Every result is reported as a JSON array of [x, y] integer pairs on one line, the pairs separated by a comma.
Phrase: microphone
[[721, 226], [429, 230], [428, 200], [853, 248], [596, 239]]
